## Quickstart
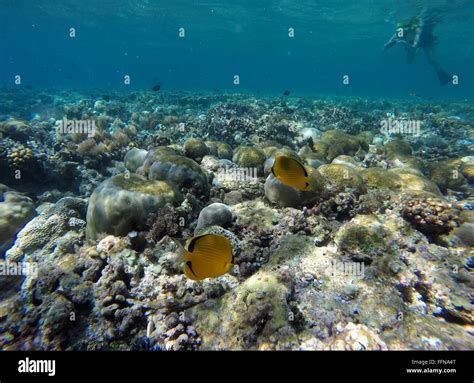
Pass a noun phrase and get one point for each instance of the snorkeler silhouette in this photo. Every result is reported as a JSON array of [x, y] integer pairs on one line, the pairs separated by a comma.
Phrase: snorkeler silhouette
[[417, 33]]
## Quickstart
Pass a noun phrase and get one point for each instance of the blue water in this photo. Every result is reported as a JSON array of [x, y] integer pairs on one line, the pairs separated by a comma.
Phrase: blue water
[[224, 38]]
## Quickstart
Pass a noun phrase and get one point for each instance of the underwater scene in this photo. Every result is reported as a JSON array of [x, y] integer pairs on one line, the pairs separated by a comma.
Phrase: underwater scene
[[195, 175]]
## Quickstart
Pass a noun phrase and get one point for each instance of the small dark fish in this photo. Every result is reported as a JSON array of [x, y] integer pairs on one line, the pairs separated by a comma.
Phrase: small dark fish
[[156, 88], [106, 97], [286, 93]]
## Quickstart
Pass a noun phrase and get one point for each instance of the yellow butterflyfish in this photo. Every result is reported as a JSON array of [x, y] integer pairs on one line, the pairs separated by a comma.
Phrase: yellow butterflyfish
[[207, 256], [291, 172]]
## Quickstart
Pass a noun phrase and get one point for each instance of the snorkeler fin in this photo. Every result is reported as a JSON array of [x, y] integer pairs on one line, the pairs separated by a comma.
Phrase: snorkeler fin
[[443, 77], [411, 52]]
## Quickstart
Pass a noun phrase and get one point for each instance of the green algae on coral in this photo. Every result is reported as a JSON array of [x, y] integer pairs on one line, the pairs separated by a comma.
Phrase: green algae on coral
[[250, 157], [220, 149], [398, 147], [333, 143], [195, 148], [362, 237], [380, 179], [138, 184], [342, 177]]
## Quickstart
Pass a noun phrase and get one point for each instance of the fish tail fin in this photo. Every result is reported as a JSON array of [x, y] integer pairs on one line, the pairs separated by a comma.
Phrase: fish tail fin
[[228, 267]]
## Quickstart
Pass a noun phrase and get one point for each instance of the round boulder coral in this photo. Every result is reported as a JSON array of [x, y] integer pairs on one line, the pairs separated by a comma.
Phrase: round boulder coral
[[381, 180], [215, 214], [413, 180], [120, 204], [180, 171], [15, 211], [341, 177], [287, 196], [250, 157], [153, 155], [333, 143], [220, 149], [362, 238], [449, 175], [346, 160], [134, 159], [195, 148], [273, 151], [468, 172], [398, 147], [16, 130]]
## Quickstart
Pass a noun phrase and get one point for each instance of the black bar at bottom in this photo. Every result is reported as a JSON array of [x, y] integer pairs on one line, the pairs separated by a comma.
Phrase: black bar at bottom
[[416, 366]]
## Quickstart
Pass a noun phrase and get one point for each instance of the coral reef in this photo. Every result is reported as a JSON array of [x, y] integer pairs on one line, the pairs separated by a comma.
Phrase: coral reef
[[377, 256]]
